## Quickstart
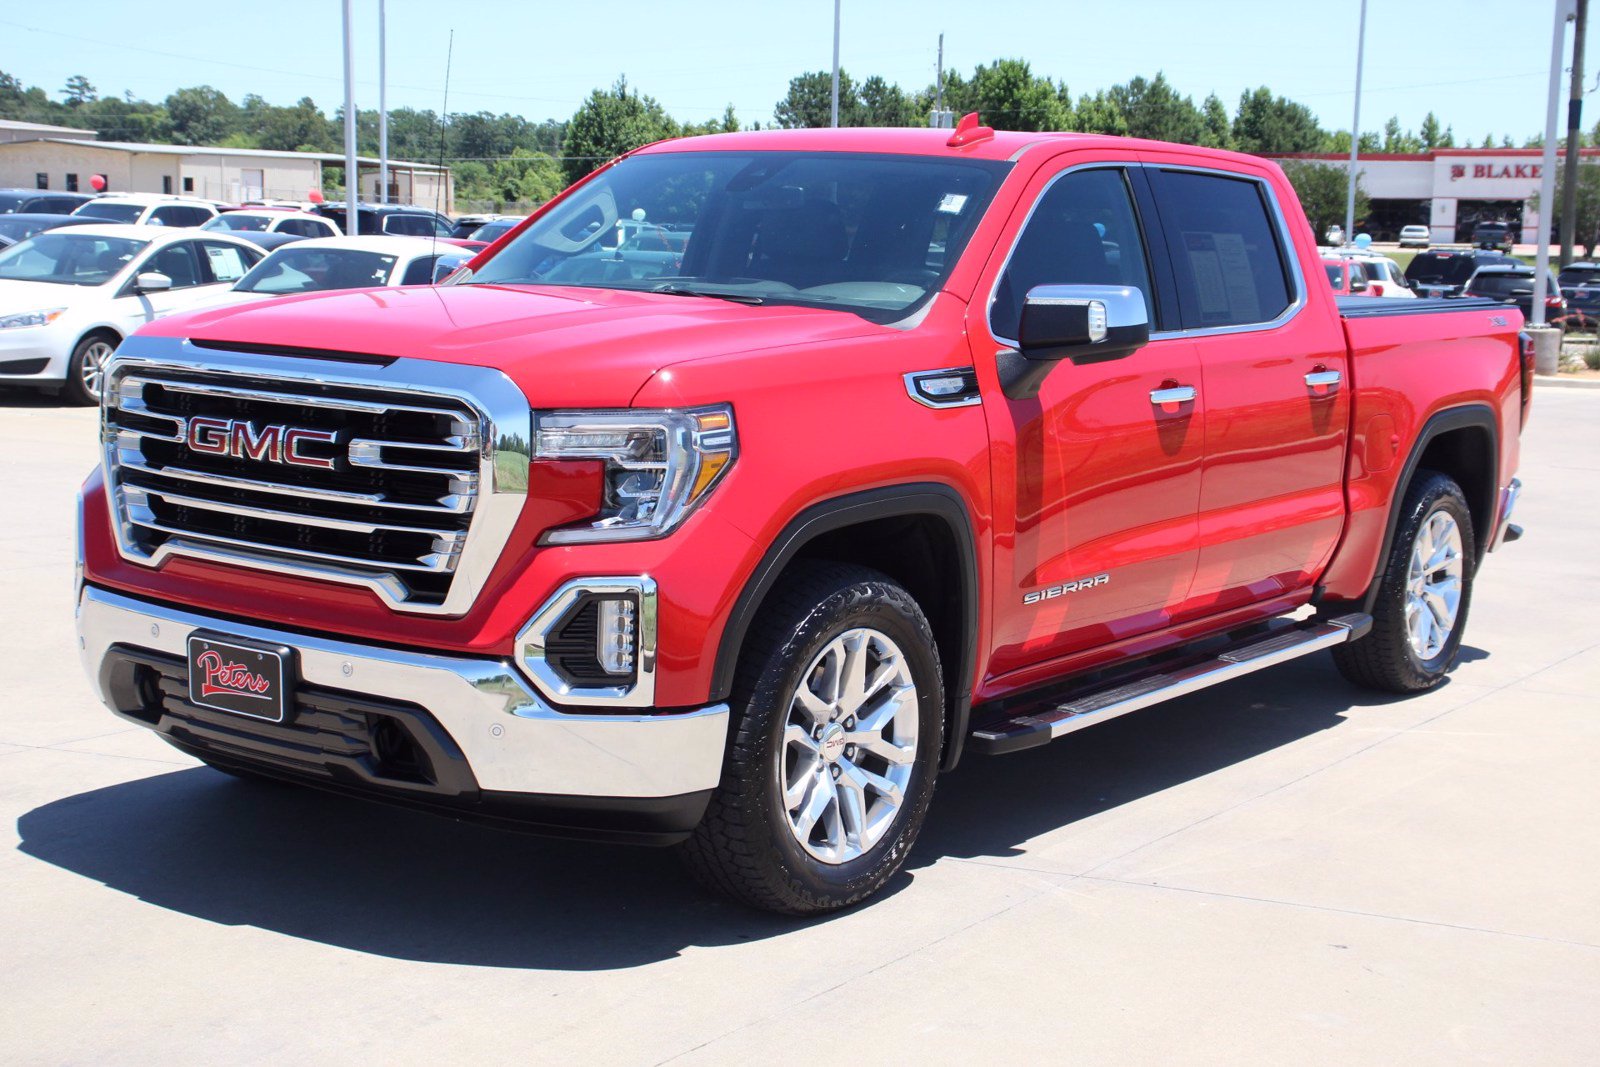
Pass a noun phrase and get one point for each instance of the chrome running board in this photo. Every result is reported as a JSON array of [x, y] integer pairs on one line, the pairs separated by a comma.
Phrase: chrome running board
[[1046, 722]]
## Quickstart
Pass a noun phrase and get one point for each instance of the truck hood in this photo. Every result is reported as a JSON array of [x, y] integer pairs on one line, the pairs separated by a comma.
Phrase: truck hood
[[562, 346]]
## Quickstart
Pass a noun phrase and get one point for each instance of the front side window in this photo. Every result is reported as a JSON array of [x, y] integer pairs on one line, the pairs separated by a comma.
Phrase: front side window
[[178, 262], [68, 259], [871, 234], [227, 263], [1230, 268], [1083, 231]]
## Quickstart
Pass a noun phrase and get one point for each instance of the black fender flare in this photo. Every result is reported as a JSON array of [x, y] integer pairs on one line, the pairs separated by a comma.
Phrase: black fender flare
[[1466, 416], [917, 498]]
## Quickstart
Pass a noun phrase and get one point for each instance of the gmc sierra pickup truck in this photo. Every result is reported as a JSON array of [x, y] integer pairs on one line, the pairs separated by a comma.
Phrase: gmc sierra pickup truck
[[731, 498]]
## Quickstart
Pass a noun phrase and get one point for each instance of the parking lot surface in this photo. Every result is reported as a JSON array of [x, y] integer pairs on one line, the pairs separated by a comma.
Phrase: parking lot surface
[[1283, 869]]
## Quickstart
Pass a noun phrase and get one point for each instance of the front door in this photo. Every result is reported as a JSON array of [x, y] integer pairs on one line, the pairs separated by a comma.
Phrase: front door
[[1097, 480]]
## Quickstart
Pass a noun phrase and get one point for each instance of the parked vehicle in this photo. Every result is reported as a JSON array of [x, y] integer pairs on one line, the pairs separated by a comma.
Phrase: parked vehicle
[[68, 297], [1348, 277], [268, 242], [742, 548], [40, 202], [1493, 235], [495, 229], [140, 210], [1580, 286], [1334, 236], [467, 226], [396, 219], [273, 220], [1446, 273], [1384, 277], [1514, 284], [325, 264], [1414, 237], [14, 228]]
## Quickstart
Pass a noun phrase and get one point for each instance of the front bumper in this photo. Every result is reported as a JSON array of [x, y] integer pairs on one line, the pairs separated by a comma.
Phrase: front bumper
[[485, 743], [32, 355]]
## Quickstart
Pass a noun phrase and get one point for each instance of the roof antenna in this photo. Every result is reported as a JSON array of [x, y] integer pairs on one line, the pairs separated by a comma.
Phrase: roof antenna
[[444, 117], [969, 132]]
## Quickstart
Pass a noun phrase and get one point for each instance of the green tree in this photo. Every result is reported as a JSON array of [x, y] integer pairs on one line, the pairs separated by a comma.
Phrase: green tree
[[1218, 126], [1322, 188], [610, 123], [526, 177], [201, 115], [883, 104], [1267, 123], [79, 92], [1099, 113], [1398, 140], [1586, 226], [808, 105], [1154, 110], [1008, 96]]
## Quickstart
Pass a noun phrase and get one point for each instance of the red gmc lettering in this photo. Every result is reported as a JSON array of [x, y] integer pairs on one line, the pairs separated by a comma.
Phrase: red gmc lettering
[[273, 444], [292, 440], [209, 435], [245, 443]]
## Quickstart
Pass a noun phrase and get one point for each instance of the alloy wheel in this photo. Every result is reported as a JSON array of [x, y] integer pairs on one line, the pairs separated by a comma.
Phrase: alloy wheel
[[1433, 585], [91, 368]]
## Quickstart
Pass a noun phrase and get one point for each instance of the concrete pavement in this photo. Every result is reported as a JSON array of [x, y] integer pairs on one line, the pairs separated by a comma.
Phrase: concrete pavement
[[1285, 869]]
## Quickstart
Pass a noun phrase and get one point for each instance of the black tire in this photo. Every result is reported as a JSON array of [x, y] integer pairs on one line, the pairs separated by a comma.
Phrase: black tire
[[93, 347], [1384, 659], [745, 847]]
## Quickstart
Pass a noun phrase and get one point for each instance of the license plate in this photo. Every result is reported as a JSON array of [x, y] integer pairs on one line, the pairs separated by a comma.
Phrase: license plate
[[241, 679]]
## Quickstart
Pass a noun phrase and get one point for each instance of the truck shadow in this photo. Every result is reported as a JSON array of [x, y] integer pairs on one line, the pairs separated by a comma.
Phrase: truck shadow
[[414, 886]]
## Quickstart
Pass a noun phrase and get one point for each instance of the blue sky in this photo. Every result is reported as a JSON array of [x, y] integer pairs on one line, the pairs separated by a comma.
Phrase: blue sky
[[1480, 65]]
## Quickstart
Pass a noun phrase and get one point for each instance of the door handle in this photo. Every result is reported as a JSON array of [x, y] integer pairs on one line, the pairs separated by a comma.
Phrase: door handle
[[1330, 379], [1177, 394]]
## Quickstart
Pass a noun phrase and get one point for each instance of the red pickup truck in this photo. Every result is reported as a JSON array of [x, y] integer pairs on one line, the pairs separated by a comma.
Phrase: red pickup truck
[[731, 498]]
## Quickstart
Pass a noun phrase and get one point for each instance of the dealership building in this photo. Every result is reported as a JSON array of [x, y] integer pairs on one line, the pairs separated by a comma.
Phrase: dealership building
[[1448, 190]]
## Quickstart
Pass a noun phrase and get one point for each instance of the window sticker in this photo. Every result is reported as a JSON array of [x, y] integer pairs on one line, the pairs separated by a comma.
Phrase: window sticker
[[952, 203], [1206, 266], [1224, 284]]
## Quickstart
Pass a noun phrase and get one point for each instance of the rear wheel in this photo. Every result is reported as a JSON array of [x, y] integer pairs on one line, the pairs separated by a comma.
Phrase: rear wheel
[[86, 370], [1423, 595], [831, 763]]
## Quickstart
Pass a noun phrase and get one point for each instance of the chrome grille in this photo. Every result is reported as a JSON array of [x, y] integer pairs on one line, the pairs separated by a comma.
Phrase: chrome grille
[[347, 476]]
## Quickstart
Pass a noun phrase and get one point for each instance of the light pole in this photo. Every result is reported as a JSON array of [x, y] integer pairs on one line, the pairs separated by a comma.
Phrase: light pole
[[1355, 131], [352, 184], [383, 107], [835, 122], [1547, 171]]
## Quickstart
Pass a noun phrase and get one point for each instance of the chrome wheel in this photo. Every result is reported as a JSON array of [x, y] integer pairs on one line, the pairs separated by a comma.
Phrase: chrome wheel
[[1433, 585], [92, 364], [849, 746]]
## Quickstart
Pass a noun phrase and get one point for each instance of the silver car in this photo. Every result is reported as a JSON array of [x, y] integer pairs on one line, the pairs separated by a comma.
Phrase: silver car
[[1413, 237]]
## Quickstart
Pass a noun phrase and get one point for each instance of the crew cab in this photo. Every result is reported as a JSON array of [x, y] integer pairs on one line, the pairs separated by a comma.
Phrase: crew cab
[[912, 446], [151, 210]]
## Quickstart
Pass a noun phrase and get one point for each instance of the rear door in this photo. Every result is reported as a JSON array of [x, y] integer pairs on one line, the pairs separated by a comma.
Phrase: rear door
[[1097, 479], [1273, 382]]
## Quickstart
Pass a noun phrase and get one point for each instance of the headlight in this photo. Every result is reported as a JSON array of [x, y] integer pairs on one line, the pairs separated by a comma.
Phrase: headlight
[[30, 318], [658, 465]]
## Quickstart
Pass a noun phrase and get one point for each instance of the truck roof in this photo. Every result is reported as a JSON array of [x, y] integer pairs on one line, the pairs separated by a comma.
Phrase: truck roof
[[1004, 144]]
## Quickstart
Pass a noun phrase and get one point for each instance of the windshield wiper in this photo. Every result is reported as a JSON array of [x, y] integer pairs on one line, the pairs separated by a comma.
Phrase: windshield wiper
[[683, 290]]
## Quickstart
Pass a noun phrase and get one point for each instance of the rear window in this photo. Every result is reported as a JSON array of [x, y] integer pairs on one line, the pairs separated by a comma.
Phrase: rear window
[[111, 212], [1335, 274], [1580, 276], [1436, 269], [1502, 284]]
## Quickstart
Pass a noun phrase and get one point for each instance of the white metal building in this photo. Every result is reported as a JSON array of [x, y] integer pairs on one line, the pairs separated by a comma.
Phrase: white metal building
[[223, 174], [12, 130]]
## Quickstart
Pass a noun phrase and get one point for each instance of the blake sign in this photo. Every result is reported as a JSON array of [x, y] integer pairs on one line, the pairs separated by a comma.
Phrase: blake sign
[[1521, 171]]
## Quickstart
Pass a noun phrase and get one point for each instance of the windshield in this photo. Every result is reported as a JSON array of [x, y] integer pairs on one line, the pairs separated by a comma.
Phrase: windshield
[[10, 202], [1335, 274], [493, 231], [871, 234], [1433, 270], [1501, 284], [239, 221], [95, 209], [316, 270], [1580, 276], [68, 258], [17, 229]]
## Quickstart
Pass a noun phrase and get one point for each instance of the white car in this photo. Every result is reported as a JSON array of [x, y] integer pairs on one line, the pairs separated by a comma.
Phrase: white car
[[1414, 237], [325, 264], [149, 210], [1383, 274], [273, 220], [68, 297]]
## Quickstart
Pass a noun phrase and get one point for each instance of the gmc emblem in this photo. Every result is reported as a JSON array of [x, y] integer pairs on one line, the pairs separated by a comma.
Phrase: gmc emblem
[[241, 440]]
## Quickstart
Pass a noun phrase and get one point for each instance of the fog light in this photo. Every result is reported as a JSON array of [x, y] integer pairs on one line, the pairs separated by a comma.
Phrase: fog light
[[614, 636]]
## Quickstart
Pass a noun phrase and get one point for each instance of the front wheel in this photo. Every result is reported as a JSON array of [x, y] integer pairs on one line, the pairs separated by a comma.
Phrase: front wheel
[[86, 370], [1423, 594], [835, 746]]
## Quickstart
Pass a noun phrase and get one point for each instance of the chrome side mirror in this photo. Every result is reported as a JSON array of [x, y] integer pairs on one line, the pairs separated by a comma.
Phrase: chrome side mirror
[[1080, 323]]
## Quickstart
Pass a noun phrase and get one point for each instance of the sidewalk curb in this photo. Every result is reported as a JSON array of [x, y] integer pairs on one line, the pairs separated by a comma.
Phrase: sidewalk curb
[[1566, 383]]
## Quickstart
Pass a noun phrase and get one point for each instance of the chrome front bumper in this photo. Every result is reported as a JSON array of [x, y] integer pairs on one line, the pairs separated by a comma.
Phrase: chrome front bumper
[[512, 740]]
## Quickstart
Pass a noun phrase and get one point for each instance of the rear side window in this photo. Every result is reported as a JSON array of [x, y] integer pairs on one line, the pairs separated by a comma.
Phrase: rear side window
[[409, 225], [1083, 232], [1229, 266], [420, 272]]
